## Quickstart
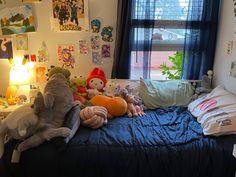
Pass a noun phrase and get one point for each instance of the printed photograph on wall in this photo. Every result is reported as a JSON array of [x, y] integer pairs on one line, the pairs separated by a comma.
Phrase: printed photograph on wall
[[17, 20], [43, 53], [106, 51], [66, 56], [96, 58], [84, 47], [70, 15], [40, 73], [21, 42], [95, 42], [233, 69], [6, 50]]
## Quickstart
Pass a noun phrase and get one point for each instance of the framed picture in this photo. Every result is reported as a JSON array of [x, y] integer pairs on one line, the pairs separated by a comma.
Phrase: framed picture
[[17, 20], [6, 50], [21, 42]]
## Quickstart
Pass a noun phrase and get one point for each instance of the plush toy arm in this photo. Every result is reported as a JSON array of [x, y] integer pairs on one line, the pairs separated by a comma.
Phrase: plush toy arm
[[3, 129], [49, 100], [39, 138]]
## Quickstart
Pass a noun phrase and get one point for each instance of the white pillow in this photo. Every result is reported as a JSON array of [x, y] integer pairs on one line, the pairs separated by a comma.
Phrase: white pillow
[[216, 112]]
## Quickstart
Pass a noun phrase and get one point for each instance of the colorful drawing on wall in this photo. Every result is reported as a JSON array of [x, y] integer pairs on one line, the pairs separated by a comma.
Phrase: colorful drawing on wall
[[31, 1], [96, 56], [17, 20], [106, 51], [70, 15], [2, 2], [43, 53], [107, 34], [233, 69], [40, 73], [6, 50], [95, 42], [95, 25], [66, 56], [84, 47], [21, 42], [33, 58]]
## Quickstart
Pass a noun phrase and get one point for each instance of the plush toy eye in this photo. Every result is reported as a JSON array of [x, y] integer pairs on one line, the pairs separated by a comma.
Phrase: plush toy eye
[[91, 81], [101, 83]]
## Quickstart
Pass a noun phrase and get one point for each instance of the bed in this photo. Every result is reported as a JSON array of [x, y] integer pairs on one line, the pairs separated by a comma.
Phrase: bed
[[166, 142]]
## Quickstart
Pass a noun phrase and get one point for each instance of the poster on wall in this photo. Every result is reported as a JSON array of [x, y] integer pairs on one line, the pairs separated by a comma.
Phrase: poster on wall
[[6, 50], [43, 53], [84, 47], [66, 56], [41, 74], [233, 69], [21, 42], [70, 15], [17, 20]]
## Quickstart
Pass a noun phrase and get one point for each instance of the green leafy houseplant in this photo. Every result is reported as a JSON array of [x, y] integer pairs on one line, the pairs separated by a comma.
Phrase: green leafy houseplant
[[174, 72]]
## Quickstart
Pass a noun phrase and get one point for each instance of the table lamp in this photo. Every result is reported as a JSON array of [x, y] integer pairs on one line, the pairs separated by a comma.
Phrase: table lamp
[[19, 76]]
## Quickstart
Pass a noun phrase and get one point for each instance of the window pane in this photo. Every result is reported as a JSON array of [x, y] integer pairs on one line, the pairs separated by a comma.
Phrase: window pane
[[166, 9], [157, 58]]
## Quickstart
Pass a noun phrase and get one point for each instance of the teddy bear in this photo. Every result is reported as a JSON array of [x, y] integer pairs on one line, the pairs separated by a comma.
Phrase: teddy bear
[[96, 81], [111, 89], [56, 69], [93, 116], [131, 110], [58, 100]]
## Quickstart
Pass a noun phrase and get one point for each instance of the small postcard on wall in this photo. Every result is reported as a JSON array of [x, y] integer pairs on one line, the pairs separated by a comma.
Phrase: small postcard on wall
[[66, 56], [6, 49], [21, 42], [233, 69], [41, 74]]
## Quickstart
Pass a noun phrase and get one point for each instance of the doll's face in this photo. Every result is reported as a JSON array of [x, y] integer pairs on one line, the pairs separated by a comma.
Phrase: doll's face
[[96, 83]]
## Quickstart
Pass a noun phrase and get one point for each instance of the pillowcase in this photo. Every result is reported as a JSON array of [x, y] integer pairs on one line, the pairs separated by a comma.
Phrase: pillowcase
[[157, 94], [216, 112]]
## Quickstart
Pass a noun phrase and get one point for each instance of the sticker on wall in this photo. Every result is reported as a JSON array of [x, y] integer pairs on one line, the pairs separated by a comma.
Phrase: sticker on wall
[[95, 42], [40, 73], [70, 15], [43, 53], [233, 69], [97, 59], [95, 25], [33, 58], [6, 50], [84, 47], [17, 20], [107, 34], [106, 51], [66, 56], [27, 57], [21, 42], [230, 47]]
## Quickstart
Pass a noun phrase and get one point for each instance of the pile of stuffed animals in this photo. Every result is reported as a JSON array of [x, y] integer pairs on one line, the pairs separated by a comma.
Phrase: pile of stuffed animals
[[95, 99]]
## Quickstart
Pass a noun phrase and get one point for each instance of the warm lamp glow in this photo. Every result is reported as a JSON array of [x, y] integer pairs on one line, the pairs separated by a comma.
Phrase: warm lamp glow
[[19, 75]]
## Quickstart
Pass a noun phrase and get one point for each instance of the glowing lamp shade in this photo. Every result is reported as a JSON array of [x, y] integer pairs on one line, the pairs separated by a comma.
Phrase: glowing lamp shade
[[19, 75]]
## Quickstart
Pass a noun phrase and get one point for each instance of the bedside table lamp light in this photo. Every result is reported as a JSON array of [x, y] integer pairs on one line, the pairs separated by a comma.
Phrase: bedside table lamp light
[[19, 76]]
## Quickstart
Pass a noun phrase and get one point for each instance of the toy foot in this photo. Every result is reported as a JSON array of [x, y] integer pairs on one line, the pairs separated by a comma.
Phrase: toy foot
[[65, 132]]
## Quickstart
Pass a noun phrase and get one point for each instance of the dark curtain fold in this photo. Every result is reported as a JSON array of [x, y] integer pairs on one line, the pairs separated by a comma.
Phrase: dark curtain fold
[[135, 23], [200, 40], [121, 63]]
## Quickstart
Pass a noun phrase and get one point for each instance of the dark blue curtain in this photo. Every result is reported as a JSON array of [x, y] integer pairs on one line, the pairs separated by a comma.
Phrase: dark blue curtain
[[200, 39], [122, 53], [135, 23]]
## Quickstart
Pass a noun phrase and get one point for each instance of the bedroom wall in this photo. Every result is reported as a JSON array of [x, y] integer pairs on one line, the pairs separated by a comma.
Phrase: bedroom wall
[[223, 60], [105, 10]]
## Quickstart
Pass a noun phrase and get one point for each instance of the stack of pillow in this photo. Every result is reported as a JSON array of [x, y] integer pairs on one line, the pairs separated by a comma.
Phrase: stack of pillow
[[216, 112]]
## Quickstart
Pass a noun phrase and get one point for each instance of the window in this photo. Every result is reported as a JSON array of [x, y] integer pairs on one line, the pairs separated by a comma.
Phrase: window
[[167, 19]]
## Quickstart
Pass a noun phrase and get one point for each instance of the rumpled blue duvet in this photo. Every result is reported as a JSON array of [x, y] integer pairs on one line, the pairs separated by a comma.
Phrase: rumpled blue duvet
[[165, 143]]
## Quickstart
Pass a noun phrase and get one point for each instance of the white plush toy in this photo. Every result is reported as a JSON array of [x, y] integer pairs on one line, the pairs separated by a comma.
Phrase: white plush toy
[[18, 125]]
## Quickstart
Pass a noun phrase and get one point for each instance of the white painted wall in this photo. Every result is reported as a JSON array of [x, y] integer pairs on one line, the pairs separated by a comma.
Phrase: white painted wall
[[105, 10], [222, 59]]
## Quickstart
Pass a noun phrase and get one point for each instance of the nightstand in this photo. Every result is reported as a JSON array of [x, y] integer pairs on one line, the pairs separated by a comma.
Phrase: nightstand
[[5, 111]]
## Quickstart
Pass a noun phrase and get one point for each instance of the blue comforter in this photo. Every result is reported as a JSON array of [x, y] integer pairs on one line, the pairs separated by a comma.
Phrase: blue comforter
[[164, 143]]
